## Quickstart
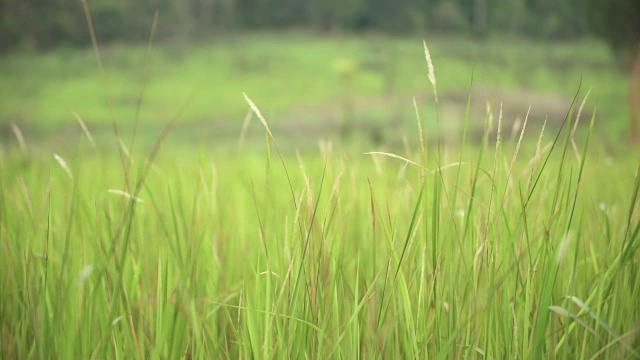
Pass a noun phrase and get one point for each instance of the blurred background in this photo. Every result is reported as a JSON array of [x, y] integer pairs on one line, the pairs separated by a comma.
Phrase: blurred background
[[330, 69]]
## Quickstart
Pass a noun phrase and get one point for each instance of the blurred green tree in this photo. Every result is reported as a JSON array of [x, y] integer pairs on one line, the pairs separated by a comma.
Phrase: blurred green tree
[[42, 24], [618, 23]]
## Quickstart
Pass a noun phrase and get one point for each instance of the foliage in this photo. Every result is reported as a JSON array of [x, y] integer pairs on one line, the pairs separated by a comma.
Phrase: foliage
[[41, 24], [618, 22], [449, 17]]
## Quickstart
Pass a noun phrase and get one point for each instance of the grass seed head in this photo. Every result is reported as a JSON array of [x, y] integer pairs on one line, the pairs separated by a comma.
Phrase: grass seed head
[[432, 73], [63, 165]]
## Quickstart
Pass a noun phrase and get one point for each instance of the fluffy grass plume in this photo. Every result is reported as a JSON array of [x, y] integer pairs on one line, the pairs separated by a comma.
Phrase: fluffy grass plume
[[432, 73]]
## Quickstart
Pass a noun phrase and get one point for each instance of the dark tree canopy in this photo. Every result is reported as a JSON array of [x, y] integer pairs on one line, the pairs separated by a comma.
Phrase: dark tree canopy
[[617, 22], [42, 24]]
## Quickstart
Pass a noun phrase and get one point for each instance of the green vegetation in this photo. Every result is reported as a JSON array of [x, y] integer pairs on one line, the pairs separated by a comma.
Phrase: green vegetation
[[487, 235], [618, 23], [297, 75], [45, 24], [504, 249]]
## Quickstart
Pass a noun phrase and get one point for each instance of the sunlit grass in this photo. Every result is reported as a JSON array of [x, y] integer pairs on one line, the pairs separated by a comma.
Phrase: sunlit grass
[[521, 245], [331, 254]]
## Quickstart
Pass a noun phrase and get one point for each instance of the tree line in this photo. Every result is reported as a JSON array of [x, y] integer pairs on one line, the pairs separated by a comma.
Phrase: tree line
[[43, 24]]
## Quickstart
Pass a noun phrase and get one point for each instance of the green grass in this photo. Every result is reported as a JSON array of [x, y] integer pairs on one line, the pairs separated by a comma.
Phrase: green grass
[[499, 248], [263, 254], [287, 72]]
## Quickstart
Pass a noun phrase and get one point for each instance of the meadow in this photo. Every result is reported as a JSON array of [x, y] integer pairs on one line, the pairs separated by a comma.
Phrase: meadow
[[299, 78], [522, 243]]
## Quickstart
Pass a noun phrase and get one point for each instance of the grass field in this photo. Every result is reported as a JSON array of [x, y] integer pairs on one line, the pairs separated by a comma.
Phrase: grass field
[[494, 250], [296, 75], [517, 243]]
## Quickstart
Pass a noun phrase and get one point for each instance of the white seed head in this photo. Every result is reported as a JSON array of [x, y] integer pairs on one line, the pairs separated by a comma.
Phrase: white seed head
[[63, 165], [432, 73]]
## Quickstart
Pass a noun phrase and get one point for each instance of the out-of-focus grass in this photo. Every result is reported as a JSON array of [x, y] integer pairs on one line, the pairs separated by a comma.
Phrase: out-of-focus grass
[[286, 71]]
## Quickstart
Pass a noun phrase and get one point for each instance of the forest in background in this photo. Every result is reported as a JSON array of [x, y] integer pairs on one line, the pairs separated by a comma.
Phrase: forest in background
[[45, 24]]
